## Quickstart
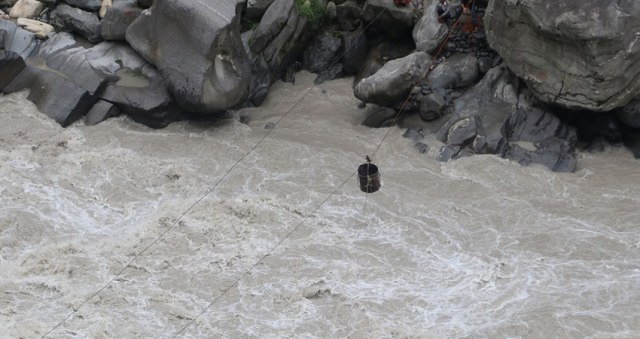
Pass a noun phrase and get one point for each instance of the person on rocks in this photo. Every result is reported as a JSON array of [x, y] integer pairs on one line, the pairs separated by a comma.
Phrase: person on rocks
[[444, 12], [469, 16]]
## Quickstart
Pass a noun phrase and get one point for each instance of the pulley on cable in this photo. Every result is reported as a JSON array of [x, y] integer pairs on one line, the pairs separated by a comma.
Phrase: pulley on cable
[[368, 177]]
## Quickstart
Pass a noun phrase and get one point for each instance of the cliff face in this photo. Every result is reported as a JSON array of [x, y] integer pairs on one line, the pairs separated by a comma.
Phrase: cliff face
[[580, 54]]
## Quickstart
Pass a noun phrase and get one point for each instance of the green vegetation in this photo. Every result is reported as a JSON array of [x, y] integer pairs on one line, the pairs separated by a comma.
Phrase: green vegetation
[[313, 10]]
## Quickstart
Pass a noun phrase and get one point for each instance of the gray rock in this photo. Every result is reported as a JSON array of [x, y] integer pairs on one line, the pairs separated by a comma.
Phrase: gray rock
[[413, 134], [324, 51], [391, 20], [448, 152], [378, 55], [277, 42], [256, 8], [332, 73], [554, 153], [67, 18], [87, 5], [459, 70], [462, 131], [429, 33], [348, 16], [65, 86], [260, 82], [56, 43], [355, 50], [630, 114], [590, 49], [206, 67], [332, 11], [281, 35], [379, 117], [485, 64], [271, 25], [65, 81], [101, 111], [421, 147], [16, 45], [393, 82], [17, 40], [118, 18], [504, 127], [135, 86], [432, 106], [11, 64]]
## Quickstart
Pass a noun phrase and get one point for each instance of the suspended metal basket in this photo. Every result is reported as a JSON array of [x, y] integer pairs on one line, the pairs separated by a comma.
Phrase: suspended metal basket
[[369, 177]]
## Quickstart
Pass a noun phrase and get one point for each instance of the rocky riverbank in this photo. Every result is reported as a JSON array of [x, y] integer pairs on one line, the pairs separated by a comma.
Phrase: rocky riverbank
[[477, 82]]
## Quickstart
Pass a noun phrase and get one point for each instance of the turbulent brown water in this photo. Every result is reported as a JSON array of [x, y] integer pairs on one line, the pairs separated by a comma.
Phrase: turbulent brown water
[[478, 247]]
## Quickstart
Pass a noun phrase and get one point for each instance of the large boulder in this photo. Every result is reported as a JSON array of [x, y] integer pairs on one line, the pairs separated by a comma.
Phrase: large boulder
[[276, 43], [66, 80], [429, 33], [65, 86], [87, 24], [580, 54], [205, 66], [494, 118], [459, 70], [393, 82]]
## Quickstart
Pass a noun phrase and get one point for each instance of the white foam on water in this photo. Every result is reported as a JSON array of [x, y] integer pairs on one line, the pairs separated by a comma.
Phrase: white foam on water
[[477, 247]]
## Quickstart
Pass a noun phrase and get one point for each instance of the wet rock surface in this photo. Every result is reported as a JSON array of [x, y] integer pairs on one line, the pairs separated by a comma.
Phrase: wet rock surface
[[206, 73], [590, 49]]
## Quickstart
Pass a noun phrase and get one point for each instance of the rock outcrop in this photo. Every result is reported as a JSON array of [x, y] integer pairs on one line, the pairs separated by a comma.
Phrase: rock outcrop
[[494, 118], [580, 54], [278, 40], [393, 82], [70, 19], [197, 48]]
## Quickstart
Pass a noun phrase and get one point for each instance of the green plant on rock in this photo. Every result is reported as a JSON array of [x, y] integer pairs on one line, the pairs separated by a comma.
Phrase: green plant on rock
[[313, 10]]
